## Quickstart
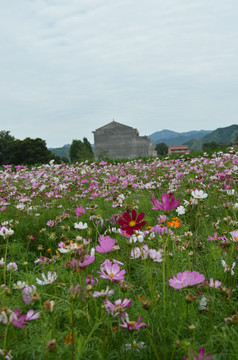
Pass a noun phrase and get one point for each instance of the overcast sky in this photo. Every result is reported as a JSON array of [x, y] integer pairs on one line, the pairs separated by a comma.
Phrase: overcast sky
[[69, 67]]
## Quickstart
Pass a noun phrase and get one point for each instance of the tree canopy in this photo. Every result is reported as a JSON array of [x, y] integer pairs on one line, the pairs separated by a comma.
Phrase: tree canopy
[[81, 150], [161, 148], [27, 151]]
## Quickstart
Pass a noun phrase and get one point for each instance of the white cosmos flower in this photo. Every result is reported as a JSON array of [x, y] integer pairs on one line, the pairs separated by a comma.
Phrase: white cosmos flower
[[68, 248], [138, 236], [180, 210], [50, 278], [228, 267], [6, 232], [199, 194], [20, 285], [103, 293], [80, 225]]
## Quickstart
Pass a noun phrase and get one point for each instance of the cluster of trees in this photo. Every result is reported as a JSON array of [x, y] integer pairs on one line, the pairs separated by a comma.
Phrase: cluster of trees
[[81, 150], [27, 151], [213, 146], [34, 151]]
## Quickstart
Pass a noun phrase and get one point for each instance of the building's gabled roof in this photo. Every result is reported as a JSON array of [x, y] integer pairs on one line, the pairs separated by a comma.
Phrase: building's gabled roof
[[115, 125]]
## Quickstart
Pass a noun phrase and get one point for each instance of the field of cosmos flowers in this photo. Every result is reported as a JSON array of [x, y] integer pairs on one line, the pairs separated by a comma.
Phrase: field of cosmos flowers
[[129, 260]]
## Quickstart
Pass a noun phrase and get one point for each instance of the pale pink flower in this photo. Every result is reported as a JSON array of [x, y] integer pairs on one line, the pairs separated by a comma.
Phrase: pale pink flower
[[31, 315], [234, 236], [215, 284], [106, 244], [185, 279], [27, 293], [50, 223], [118, 306], [12, 266], [111, 271]]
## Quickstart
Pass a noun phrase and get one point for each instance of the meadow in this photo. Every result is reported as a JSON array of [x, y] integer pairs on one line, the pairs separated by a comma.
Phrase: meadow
[[126, 260]]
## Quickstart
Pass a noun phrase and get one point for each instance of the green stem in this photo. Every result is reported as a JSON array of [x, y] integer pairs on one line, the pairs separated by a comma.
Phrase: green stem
[[5, 260]]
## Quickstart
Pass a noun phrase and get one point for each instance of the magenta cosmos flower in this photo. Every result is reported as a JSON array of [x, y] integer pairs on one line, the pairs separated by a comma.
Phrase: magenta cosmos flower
[[106, 244], [111, 271], [131, 325], [167, 203], [130, 222], [201, 355], [185, 279]]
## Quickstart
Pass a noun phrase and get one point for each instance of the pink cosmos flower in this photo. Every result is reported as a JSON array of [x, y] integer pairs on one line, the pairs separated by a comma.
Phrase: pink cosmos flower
[[185, 279], [79, 263], [91, 280], [215, 284], [16, 320], [167, 203], [111, 271], [215, 237], [201, 355], [27, 294], [234, 235], [131, 325], [79, 211], [31, 315], [118, 306], [106, 244], [50, 223], [12, 266]]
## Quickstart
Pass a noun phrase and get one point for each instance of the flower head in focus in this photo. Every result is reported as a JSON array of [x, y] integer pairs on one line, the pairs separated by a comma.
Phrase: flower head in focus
[[130, 222]]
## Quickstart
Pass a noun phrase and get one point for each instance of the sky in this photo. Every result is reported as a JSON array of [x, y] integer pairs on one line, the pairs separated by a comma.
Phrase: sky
[[69, 67]]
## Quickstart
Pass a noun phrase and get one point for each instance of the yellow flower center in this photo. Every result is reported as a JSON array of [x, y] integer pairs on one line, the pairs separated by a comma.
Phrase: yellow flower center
[[111, 275], [132, 223]]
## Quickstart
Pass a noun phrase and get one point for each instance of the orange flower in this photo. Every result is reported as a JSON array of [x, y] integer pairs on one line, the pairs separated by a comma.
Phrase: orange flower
[[174, 223], [68, 338]]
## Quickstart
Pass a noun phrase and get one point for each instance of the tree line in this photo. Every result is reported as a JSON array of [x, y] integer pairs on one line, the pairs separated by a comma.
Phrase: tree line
[[34, 151]]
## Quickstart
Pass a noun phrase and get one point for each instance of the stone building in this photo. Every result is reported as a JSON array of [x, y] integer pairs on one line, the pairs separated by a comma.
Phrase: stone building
[[118, 141]]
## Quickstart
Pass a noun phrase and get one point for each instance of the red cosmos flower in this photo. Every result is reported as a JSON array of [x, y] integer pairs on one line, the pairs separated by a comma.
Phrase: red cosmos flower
[[130, 222]]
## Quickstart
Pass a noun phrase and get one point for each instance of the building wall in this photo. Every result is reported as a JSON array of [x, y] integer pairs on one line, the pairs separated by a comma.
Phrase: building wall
[[120, 141]]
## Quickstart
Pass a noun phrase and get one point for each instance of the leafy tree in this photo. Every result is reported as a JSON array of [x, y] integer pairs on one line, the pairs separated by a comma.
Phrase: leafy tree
[[5, 140], [161, 148], [27, 151], [81, 150]]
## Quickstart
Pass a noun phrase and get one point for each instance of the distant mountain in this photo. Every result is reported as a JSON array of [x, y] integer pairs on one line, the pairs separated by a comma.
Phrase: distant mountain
[[61, 152], [224, 135], [175, 138]]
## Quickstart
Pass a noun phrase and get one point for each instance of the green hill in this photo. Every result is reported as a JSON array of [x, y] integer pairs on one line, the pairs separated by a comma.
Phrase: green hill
[[62, 152], [225, 135]]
